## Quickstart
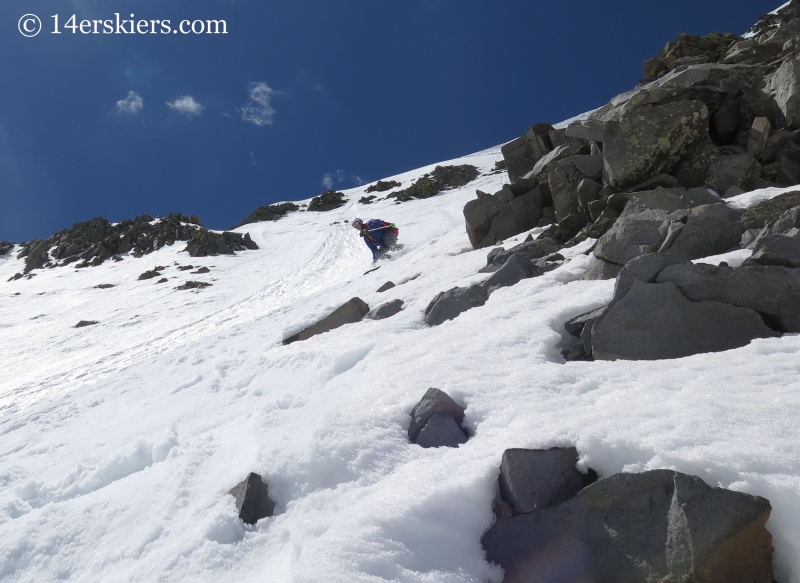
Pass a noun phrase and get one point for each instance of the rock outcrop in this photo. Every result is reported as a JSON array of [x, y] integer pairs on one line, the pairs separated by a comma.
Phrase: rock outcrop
[[271, 212], [327, 201], [440, 179]]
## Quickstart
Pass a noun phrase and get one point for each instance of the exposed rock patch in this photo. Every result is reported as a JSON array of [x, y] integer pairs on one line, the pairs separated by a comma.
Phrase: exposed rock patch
[[382, 186], [348, 313], [327, 201], [252, 499], [271, 212], [441, 178], [436, 421]]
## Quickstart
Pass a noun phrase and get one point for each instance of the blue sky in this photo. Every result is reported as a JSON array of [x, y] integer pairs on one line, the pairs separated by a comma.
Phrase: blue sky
[[217, 125]]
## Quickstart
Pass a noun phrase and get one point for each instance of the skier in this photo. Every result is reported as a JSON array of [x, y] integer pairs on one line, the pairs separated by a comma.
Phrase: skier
[[379, 236]]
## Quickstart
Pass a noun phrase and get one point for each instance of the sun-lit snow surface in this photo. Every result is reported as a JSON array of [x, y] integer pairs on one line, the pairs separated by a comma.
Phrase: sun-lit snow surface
[[119, 441]]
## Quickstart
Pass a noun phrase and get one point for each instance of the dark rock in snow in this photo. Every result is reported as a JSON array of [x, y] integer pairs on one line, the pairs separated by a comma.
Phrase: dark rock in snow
[[185, 267], [150, 274], [382, 186], [386, 286], [271, 212], [450, 304], [384, 311], [327, 201], [600, 270], [84, 323], [104, 285], [193, 285], [441, 178], [574, 326], [162, 280], [708, 230], [631, 236], [521, 214], [441, 431], [773, 292], [207, 243], [535, 479], [777, 250], [656, 321], [515, 269], [5, 247], [434, 402], [252, 499], [659, 525], [201, 270], [350, 312], [644, 268]]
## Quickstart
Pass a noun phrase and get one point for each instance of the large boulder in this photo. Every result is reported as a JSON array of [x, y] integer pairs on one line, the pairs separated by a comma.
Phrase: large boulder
[[563, 180], [515, 269], [204, 243], [784, 87], [450, 304], [656, 321], [493, 217], [535, 479], [435, 404], [738, 170], [659, 525], [708, 230], [522, 153], [633, 235], [252, 499], [348, 313], [651, 139], [773, 292]]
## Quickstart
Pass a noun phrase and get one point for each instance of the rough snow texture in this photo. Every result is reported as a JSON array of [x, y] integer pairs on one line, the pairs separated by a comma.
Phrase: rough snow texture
[[121, 440]]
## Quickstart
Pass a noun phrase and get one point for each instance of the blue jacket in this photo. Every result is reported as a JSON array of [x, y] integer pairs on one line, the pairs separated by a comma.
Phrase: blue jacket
[[372, 237]]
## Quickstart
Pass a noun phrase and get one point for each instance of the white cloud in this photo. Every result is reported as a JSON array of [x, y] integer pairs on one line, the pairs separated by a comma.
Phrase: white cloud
[[319, 88], [357, 179], [131, 105], [330, 178], [258, 111], [186, 105]]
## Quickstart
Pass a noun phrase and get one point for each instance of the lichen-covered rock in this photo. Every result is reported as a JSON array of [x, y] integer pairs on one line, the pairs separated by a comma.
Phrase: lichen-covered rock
[[271, 212], [327, 201], [651, 139]]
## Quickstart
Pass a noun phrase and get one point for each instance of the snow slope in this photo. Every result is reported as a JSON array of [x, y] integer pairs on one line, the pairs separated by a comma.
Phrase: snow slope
[[118, 442]]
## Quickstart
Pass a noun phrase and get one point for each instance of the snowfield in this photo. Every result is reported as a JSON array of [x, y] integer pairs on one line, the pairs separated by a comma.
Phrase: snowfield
[[120, 441]]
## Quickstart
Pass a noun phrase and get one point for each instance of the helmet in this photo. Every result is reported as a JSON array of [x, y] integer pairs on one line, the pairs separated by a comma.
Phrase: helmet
[[356, 221]]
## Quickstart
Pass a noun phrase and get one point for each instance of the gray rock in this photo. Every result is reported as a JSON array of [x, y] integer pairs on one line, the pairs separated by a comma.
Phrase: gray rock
[[522, 153], [587, 192], [521, 214], [777, 250], [667, 199], [348, 313], [775, 145], [515, 269], [784, 87], [586, 130], [656, 321], [590, 164], [534, 249], [535, 479], [773, 292], [789, 172], [740, 170], [639, 528], [596, 207], [544, 164], [645, 269], [563, 180], [434, 402], [84, 323], [709, 230], [759, 134], [441, 431], [386, 286], [601, 270], [450, 304], [478, 214], [651, 139], [631, 236], [698, 197], [662, 180], [252, 499], [384, 311], [574, 326]]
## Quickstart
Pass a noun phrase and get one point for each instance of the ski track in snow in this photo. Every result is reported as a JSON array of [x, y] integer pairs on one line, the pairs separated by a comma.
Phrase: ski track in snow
[[119, 442]]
